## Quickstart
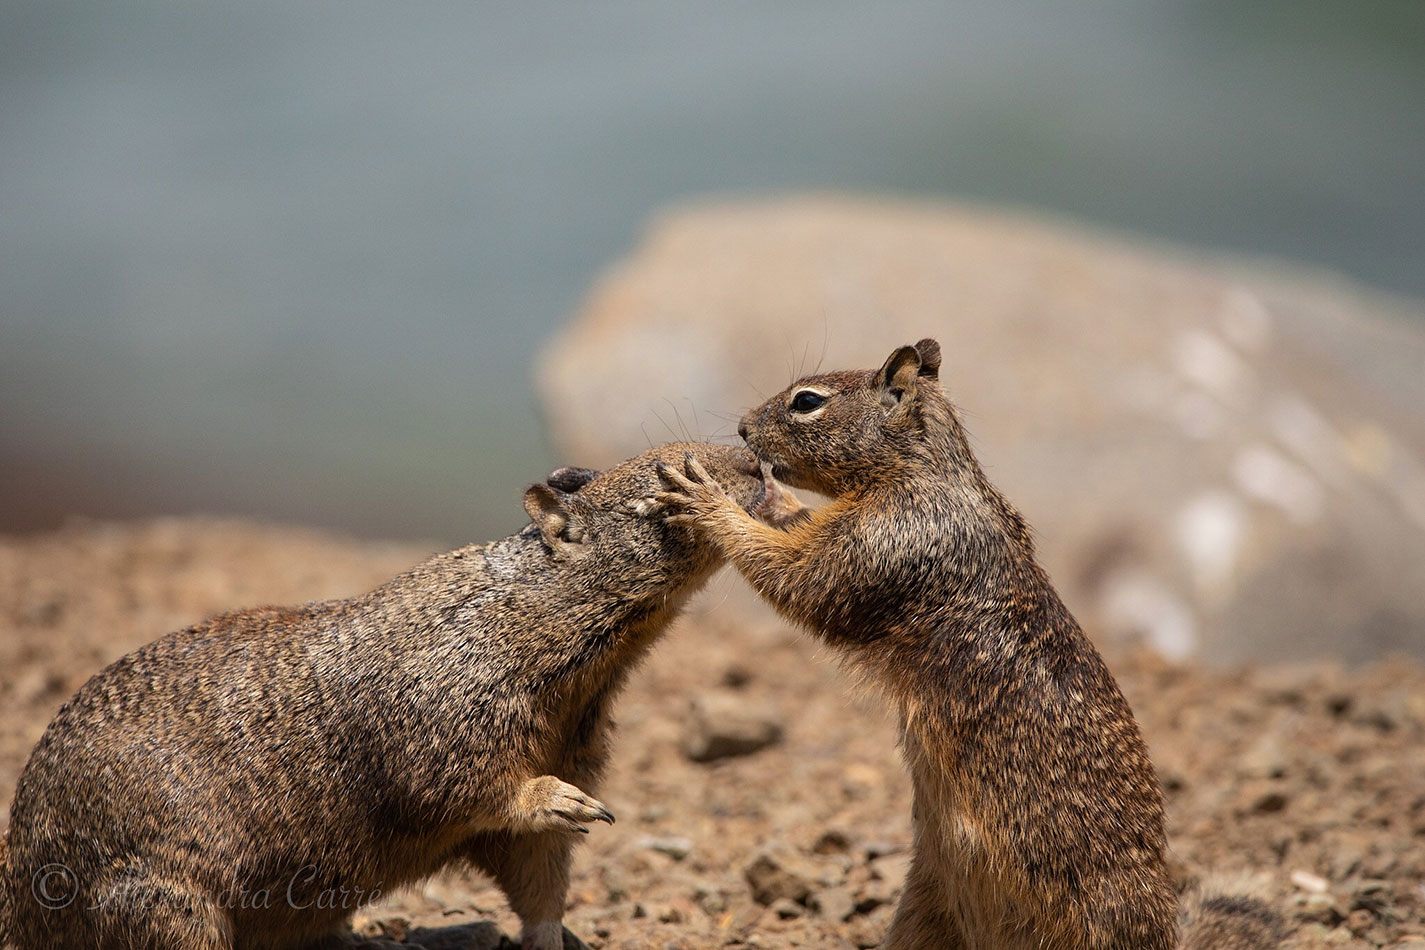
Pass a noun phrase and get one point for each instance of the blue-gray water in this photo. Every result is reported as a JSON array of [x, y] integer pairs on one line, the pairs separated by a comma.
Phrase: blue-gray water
[[293, 260]]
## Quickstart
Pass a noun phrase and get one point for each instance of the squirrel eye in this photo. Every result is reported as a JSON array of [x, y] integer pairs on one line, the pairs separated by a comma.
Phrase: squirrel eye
[[806, 401]]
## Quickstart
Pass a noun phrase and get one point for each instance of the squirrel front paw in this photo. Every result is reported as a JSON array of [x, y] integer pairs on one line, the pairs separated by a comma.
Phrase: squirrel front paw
[[693, 496], [550, 804]]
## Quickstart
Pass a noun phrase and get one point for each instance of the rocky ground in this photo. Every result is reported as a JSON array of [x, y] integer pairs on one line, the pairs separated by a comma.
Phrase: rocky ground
[[759, 795]]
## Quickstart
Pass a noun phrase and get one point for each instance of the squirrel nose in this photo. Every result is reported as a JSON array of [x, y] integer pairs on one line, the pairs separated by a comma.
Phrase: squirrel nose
[[742, 430]]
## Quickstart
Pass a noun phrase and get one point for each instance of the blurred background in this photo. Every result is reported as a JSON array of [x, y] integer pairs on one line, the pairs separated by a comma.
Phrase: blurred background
[[295, 261]]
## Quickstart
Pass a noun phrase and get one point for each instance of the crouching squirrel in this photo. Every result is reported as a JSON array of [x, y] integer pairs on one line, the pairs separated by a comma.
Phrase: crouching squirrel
[[248, 782]]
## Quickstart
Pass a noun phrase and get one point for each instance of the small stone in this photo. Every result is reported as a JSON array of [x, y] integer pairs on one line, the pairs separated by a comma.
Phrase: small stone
[[736, 676], [834, 903], [879, 849], [1266, 758], [616, 883], [892, 868], [1272, 801], [1311, 935], [859, 779], [786, 909], [711, 902], [42, 611], [1307, 881], [723, 725], [739, 920], [675, 847], [1342, 937], [1359, 921], [1371, 895], [1319, 908], [31, 686], [832, 841], [774, 874], [1286, 684], [1348, 851], [887, 875], [870, 930], [675, 911]]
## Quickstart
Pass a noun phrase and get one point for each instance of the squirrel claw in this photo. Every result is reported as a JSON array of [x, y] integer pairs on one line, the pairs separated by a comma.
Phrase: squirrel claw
[[555, 805], [694, 469], [675, 479], [692, 495]]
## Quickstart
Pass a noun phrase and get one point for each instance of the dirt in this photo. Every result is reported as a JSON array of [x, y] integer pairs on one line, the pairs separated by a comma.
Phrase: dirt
[[1310, 779]]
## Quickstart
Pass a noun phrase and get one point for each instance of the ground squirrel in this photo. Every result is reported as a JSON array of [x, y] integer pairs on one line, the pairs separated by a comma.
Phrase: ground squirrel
[[247, 782], [1038, 820]]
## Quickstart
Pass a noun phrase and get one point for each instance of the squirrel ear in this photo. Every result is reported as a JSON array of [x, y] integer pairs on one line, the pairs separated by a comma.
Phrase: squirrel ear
[[929, 352], [561, 529], [899, 374], [570, 479]]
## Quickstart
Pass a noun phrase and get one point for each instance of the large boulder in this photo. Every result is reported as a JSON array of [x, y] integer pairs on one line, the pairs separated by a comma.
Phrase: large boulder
[[1220, 458]]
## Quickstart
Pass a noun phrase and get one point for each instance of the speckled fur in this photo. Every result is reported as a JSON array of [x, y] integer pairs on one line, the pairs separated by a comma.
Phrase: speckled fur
[[1038, 821], [460, 712]]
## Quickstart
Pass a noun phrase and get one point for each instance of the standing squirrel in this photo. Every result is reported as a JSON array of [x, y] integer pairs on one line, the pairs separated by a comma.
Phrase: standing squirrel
[[1038, 821], [248, 782]]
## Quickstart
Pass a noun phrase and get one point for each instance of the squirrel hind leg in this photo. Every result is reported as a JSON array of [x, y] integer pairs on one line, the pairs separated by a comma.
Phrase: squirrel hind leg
[[549, 935], [145, 911]]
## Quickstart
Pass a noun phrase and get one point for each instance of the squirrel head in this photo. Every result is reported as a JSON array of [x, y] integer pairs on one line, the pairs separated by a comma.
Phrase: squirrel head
[[835, 431], [580, 512]]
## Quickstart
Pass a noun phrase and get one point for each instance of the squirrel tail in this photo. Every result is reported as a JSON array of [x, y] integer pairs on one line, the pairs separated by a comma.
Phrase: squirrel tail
[[1230, 916]]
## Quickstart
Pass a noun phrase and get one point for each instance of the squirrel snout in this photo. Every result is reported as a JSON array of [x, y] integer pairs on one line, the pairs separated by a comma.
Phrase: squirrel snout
[[742, 429]]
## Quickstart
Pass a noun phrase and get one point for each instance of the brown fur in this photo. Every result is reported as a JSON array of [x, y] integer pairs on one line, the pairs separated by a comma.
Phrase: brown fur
[[460, 712], [1228, 915], [1038, 822]]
